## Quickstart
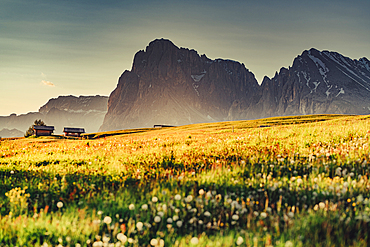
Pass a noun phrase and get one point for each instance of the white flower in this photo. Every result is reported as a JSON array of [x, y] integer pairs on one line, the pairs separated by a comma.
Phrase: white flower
[[177, 197], [189, 198], [194, 240], [106, 239], [291, 214], [263, 215], [60, 204], [121, 237], [131, 206], [155, 199], [139, 225], [144, 207], [175, 217], [235, 217], [157, 219], [161, 214], [201, 192], [100, 212], [289, 244], [207, 214], [107, 220], [240, 240], [169, 220], [130, 240], [154, 242], [179, 223], [360, 198], [322, 205]]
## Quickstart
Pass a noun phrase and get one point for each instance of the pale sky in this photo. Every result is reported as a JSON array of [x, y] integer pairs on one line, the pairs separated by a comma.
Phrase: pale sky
[[81, 47]]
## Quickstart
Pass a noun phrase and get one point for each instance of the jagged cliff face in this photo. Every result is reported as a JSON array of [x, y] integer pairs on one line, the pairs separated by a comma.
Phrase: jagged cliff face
[[318, 82], [175, 86], [65, 111]]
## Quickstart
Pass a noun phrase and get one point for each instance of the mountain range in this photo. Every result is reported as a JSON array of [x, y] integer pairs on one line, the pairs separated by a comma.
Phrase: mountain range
[[176, 86], [65, 111], [168, 85]]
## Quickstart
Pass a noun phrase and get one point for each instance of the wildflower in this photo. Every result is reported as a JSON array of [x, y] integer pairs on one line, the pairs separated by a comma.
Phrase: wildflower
[[255, 213], [100, 212], [169, 220], [131, 206], [289, 244], [322, 205], [106, 239], [179, 223], [189, 198], [11, 172], [157, 219], [121, 237], [201, 192], [263, 215], [360, 198], [194, 240], [177, 210], [207, 214], [161, 214], [60, 204], [107, 220], [235, 217], [239, 241], [139, 225], [175, 217], [291, 214], [177, 197], [155, 199], [130, 240], [144, 207], [154, 242]]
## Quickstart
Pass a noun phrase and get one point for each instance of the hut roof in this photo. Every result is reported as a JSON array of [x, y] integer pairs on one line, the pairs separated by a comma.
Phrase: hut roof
[[74, 130], [50, 128]]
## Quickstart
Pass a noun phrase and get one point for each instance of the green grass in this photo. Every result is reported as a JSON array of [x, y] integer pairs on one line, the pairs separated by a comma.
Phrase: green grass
[[302, 181]]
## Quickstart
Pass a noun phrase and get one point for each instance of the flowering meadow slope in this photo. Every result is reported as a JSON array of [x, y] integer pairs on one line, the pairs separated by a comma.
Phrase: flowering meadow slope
[[292, 181]]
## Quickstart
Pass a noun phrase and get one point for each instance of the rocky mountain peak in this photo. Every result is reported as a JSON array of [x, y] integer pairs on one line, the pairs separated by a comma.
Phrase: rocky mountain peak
[[175, 86]]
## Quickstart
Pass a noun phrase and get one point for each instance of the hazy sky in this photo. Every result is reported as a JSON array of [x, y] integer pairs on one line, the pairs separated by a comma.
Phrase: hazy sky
[[81, 47]]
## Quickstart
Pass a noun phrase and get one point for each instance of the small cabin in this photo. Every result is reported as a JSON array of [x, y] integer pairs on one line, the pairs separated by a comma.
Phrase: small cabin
[[76, 132], [43, 130]]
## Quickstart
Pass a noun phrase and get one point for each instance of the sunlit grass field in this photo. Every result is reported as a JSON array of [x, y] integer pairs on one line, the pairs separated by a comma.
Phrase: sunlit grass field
[[291, 181]]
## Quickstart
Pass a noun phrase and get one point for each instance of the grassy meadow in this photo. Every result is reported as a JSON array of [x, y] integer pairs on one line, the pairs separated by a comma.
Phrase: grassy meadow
[[291, 181]]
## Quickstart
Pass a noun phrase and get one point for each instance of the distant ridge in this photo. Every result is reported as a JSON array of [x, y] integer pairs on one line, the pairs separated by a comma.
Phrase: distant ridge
[[82, 111], [176, 86]]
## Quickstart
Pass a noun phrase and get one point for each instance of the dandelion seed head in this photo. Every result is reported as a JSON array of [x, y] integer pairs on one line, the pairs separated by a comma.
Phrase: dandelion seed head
[[194, 240], [153, 242], [107, 220], [131, 206], [121, 237], [139, 225], [155, 199], [157, 219], [60, 204], [239, 240], [144, 207], [179, 223], [177, 197]]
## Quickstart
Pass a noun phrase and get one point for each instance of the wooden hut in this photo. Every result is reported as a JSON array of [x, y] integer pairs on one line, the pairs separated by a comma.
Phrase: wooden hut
[[43, 130], [68, 131]]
